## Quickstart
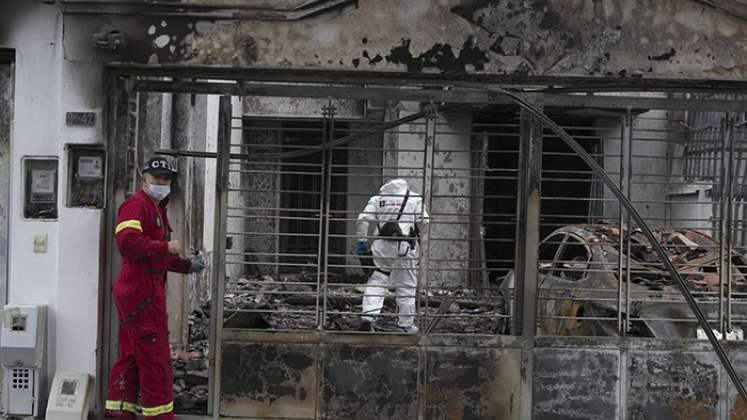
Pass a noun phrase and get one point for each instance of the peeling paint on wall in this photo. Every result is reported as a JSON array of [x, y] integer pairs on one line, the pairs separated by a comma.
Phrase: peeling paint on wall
[[673, 385], [262, 379], [575, 384], [523, 28], [370, 383], [542, 37], [468, 384], [220, 43], [665, 56], [736, 406], [440, 57], [207, 42], [449, 251]]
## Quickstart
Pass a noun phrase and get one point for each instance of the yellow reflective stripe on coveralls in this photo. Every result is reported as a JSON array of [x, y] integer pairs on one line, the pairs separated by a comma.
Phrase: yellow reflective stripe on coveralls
[[155, 411], [134, 224], [121, 406]]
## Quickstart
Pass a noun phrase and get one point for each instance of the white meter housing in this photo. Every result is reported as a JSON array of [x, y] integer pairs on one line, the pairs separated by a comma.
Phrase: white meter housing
[[22, 336], [69, 397], [22, 344]]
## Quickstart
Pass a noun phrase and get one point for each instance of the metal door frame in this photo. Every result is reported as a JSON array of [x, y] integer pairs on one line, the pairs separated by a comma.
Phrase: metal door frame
[[7, 58]]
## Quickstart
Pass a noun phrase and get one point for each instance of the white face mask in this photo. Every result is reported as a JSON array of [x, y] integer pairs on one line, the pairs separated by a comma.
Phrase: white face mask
[[159, 192]]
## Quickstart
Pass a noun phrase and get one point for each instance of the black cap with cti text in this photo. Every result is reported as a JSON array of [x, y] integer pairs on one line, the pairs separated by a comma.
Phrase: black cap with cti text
[[158, 166]]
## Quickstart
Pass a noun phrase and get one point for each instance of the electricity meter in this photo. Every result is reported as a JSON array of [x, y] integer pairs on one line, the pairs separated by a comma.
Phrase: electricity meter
[[40, 188], [86, 176]]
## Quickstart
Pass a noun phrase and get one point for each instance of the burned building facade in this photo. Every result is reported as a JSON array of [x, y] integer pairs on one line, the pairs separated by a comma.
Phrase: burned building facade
[[284, 117]]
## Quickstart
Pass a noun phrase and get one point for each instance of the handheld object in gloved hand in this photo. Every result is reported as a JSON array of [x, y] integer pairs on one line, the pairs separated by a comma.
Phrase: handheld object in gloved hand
[[198, 263], [361, 248]]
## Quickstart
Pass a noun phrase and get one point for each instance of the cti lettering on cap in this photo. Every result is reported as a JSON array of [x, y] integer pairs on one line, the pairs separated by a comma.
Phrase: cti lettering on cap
[[158, 166]]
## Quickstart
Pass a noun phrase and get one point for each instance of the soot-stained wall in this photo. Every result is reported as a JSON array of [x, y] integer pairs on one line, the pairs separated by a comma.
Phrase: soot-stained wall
[[626, 38]]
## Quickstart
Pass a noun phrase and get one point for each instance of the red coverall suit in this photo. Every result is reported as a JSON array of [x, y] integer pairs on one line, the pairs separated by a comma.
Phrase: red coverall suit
[[144, 362]]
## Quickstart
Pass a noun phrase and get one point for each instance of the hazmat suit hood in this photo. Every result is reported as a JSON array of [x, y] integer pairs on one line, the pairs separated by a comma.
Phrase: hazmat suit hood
[[394, 187]]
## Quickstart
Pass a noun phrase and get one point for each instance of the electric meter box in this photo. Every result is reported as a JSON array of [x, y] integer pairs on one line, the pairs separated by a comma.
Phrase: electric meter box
[[22, 353], [40, 188], [23, 335], [70, 396], [86, 173]]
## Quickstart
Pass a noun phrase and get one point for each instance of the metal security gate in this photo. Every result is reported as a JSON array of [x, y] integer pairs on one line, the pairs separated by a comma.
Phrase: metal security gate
[[291, 190], [528, 305], [680, 168], [292, 206]]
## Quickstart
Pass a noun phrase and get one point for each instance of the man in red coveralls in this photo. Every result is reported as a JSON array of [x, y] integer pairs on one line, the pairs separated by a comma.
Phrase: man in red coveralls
[[143, 236]]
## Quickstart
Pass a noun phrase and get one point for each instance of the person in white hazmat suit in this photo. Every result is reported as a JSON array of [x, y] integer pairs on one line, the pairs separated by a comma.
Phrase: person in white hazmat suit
[[395, 213]]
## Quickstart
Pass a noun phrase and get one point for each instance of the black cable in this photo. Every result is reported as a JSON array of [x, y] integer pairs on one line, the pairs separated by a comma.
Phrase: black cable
[[352, 137], [378, 129]]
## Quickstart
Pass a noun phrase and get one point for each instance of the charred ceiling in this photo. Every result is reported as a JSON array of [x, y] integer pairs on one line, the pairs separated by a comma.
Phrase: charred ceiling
[[669, 39], [283, 10]]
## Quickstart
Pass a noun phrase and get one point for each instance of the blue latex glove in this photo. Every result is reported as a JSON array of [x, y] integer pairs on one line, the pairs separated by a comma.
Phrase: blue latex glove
[[361, 248], [198, 264]]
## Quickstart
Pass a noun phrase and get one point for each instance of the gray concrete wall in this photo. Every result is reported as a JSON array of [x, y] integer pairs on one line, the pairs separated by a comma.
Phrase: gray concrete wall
[[364, 180], [197, 222], [187, 125], [451, 204], [265, 182], [236, 199], [202, 289], [449, 208], [410, 149], [650, 167], [691, 203], [680, 204], [691, 207], [611, 136]]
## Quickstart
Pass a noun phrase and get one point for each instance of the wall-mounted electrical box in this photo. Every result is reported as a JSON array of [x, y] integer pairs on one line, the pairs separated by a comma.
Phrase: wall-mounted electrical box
[[86, 176], [69, 397], [40, 188], [22, 348]]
